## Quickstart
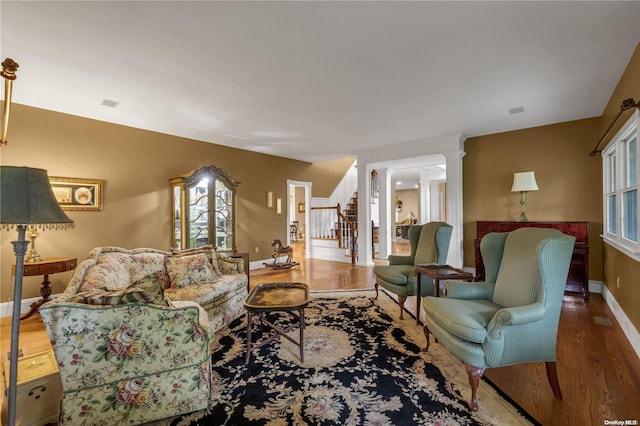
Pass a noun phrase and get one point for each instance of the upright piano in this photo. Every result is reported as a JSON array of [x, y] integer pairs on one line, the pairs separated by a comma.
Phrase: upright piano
[[578, 279]]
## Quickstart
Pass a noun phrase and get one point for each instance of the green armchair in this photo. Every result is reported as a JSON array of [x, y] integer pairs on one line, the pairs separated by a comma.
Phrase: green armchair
[[429, 245], [512, 317]]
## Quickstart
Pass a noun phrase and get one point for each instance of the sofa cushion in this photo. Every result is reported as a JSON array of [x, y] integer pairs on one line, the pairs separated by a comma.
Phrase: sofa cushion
[[187, 270], [209, 250], [115, 270], [210, 294], [466, 319], [394, 274], [152, 288], [106, 276], [115, 297]]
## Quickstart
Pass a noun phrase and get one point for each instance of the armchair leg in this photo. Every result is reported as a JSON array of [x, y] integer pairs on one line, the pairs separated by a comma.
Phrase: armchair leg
[[475, 374], [401, 300], [425, 330], [552, 375], [376, 286]]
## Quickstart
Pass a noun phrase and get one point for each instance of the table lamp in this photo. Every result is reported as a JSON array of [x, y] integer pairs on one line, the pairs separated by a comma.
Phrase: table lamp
[[26, 199], [524, 182]]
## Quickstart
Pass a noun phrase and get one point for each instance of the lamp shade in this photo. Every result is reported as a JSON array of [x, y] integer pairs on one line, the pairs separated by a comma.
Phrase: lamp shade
[[26, 198], [524, 181]]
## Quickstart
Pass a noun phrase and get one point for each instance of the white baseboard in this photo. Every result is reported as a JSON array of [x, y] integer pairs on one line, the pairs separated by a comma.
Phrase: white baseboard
[[595, 286], [259, 264], [6, 308], [627, 327]]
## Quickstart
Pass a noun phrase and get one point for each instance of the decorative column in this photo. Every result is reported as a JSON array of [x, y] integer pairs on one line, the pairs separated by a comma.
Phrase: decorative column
[[425, 201], [454, 206], [365, 255], [386, 229]]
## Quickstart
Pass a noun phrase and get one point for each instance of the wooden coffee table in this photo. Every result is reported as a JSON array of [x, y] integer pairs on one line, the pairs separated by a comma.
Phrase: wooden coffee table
[[276, 297], [437, 273]]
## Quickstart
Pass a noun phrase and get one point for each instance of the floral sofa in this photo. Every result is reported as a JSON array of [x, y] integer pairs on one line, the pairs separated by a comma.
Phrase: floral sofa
[[132, 332]]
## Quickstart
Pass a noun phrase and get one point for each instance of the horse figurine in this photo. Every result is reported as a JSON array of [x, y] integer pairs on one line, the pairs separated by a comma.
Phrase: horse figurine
[[279, 250]]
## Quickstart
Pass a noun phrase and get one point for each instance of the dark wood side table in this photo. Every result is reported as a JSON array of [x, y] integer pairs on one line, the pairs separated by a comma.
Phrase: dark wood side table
[[45, 267], [437, 273], [276, 297]]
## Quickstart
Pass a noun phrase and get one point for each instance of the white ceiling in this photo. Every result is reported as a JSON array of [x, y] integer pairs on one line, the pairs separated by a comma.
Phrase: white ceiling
[[319, 80]]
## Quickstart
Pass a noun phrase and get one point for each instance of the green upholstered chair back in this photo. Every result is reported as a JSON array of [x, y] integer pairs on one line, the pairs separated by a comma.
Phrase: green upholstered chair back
[[414, 235], [519, 277], [433, 243]]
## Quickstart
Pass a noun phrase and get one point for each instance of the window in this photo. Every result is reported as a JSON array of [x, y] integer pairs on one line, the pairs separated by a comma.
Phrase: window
[[620, 198]]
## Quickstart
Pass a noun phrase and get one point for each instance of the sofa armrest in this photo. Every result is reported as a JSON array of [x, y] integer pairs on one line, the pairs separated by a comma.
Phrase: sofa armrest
[[203, 317], [234, 263], [101, 345]]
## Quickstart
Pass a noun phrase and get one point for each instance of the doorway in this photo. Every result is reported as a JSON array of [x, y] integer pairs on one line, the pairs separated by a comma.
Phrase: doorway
[[298, 205]]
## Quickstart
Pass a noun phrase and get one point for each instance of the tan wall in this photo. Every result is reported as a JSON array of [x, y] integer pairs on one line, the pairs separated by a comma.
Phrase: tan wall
[[621, 273], [622, 280], [410, 203], [570, 180], [136, 166]]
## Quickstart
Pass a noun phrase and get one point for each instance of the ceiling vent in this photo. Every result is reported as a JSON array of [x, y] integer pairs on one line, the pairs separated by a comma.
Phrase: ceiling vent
[[109, 103]]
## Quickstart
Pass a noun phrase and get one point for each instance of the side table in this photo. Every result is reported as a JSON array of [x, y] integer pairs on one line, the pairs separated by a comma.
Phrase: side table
[[45, 267], [276, 297], [39, 389], [437, 273]]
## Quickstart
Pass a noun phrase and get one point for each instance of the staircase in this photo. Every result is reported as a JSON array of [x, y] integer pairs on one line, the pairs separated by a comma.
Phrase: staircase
[[335, 230], [351, 212]]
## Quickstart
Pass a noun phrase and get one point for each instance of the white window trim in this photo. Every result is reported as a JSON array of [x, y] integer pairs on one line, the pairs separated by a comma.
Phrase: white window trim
[[617, 241]]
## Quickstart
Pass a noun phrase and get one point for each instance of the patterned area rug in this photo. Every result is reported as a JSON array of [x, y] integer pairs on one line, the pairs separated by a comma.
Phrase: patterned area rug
[[362, 366]]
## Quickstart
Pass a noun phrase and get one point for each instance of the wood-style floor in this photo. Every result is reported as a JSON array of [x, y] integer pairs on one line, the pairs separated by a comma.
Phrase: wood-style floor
[[598, 370]]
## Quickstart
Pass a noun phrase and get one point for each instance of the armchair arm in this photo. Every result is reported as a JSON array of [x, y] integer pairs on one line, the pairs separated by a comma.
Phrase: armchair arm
[[400, 260], [515, 316], [469, 290], [99, 345]]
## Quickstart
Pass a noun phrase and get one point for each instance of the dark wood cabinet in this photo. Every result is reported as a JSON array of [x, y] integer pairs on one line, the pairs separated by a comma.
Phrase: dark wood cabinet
[[578, 279], [204, 209]]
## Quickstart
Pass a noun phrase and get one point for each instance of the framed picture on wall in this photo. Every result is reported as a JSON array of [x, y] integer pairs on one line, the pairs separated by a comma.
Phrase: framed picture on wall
[[77, 194]]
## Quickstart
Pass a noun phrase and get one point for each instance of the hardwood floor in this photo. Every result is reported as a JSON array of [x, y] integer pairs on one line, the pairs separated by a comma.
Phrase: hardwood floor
[[598, 370]]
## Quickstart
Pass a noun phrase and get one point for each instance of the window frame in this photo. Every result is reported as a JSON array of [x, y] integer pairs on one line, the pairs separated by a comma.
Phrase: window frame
[[615, 173]]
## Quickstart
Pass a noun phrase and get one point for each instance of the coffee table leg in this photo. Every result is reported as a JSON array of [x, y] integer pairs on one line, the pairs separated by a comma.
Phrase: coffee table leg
[[249, 315], [302, 335]]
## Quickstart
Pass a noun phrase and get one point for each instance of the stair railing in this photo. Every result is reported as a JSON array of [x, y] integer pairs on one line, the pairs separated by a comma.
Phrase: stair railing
[[329, 222]]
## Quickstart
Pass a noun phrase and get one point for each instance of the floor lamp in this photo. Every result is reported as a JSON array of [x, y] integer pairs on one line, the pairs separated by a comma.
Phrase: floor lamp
[[26, 199]]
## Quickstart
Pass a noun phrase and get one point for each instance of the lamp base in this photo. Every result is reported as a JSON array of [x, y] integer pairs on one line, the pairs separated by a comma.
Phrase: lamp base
[[33, 257], [522, 218]]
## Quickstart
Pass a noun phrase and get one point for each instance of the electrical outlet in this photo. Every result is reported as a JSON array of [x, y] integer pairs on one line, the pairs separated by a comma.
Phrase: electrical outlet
[[257, 249]]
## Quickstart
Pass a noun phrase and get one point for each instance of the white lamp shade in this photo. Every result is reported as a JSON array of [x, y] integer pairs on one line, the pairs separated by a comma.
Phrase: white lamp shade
[[524, 181]]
